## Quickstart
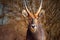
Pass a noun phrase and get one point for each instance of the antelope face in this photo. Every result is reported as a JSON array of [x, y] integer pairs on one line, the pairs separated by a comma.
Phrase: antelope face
[[33, 25], [35, 30]]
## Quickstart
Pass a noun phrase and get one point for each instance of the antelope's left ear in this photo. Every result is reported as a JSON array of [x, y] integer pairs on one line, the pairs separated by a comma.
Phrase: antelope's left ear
[[24, 13], [42, 13], [42, 16]]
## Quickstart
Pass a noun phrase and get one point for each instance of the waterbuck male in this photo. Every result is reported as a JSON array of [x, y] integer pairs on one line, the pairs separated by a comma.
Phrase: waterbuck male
[[35, 29]]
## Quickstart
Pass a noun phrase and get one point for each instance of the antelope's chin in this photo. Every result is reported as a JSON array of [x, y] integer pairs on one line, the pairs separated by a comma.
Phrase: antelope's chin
[[33, 30]]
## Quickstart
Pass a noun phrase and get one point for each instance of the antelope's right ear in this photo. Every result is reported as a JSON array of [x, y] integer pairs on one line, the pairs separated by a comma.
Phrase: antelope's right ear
[[24, 13]]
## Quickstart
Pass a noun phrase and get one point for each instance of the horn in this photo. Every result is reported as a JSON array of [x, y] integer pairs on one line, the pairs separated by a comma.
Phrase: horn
[[31, 14], [39, 9]]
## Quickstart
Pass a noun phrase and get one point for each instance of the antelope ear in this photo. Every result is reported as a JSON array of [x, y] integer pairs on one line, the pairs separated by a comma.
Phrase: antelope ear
[[42, 16], [24, 13]]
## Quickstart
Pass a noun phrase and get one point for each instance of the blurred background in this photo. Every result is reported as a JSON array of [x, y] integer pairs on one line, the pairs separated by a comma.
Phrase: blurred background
[[13, 25]]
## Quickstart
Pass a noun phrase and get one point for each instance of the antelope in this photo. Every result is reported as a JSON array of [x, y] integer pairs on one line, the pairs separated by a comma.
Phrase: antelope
[[35, 30]]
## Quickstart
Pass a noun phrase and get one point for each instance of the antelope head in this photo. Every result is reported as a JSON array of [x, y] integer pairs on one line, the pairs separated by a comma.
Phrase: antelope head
[[34, 16], [34, 27]]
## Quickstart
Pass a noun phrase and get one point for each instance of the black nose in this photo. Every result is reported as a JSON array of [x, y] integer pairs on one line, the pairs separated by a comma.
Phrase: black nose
[[33, 26]]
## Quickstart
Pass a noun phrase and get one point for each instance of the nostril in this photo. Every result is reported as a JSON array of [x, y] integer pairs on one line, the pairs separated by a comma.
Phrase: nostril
[[33, 26]]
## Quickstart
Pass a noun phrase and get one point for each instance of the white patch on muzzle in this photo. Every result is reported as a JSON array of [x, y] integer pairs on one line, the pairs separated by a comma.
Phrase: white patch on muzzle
[[33, 28]]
